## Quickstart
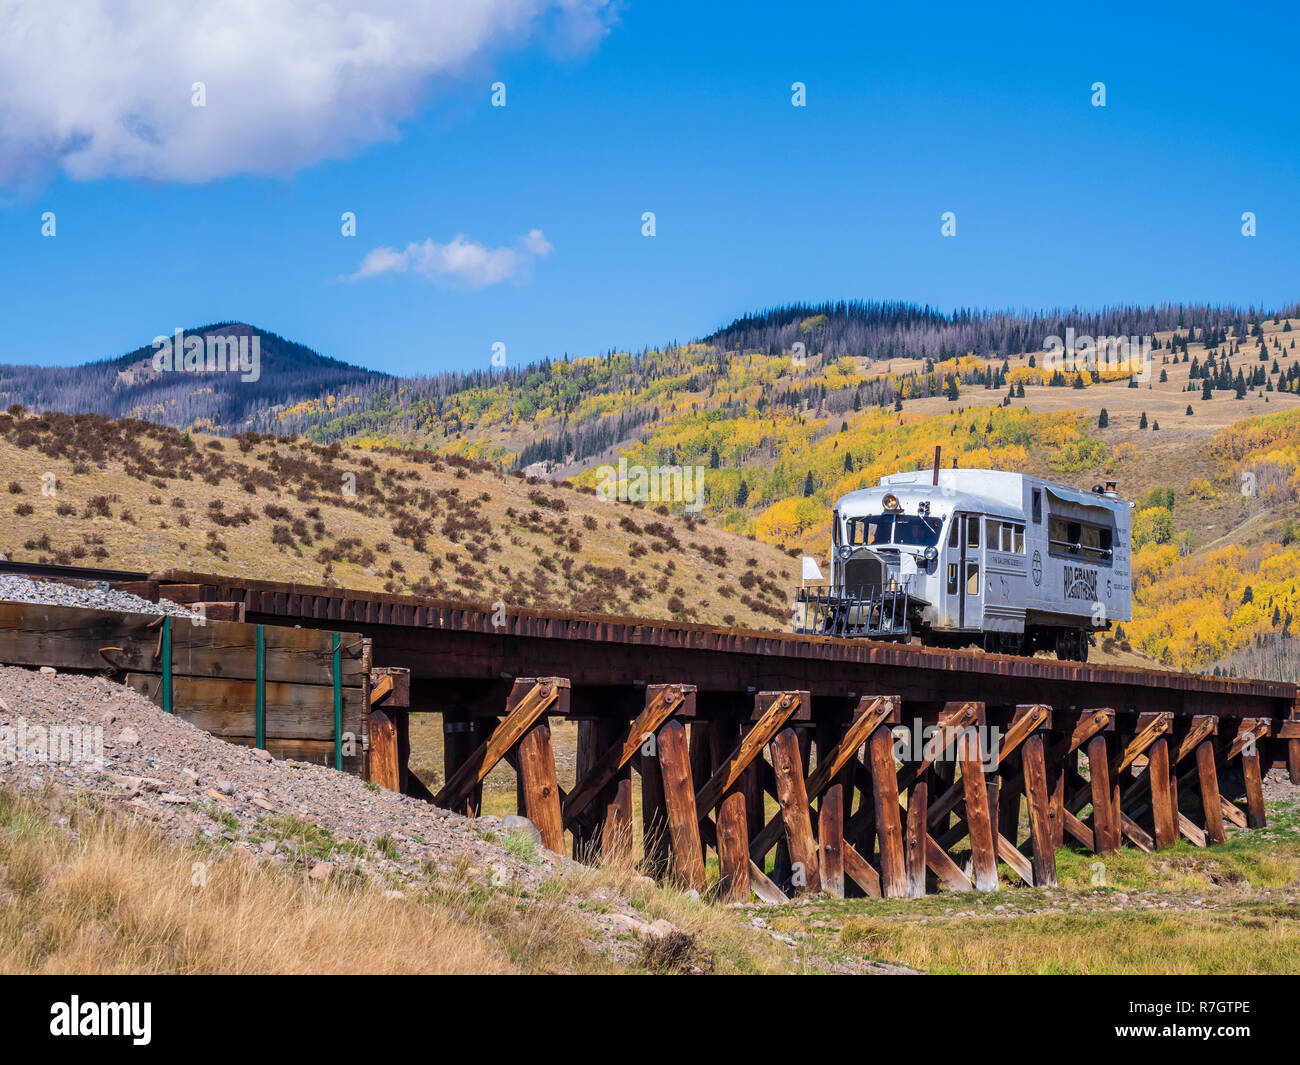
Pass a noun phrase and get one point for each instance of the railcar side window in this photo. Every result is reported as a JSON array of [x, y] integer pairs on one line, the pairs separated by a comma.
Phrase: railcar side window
[[973, 533], [972, 578], [952, 578], [1080, 539], [1005, 536], [1038, 506], [954, 532]]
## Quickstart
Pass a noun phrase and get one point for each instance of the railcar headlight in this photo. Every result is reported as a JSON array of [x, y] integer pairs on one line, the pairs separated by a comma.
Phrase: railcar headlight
[[890, 502], [931, 554], [845, 552]]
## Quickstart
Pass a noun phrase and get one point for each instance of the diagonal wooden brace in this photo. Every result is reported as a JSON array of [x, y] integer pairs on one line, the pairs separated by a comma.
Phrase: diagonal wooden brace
[[782, 707], [660, 706], [871, 713], [529, 700]]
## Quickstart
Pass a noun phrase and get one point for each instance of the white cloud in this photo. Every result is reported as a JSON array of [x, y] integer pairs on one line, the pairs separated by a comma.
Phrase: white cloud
[[462, 261], [102, 88]]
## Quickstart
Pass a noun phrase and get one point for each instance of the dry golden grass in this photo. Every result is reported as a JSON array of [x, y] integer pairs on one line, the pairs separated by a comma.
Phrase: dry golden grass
[[1231, 908], [1256, 940], [115, 898]]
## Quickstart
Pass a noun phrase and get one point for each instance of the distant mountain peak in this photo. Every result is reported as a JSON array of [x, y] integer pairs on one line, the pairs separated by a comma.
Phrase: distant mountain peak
[[183, 392]]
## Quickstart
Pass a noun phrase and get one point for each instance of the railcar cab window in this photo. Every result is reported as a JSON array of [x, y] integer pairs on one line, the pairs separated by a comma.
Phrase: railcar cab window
[[908, 530], [1005, 536], [1080, 539]]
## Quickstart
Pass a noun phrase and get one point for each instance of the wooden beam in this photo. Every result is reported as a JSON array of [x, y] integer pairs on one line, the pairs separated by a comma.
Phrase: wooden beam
[[614, 809], [654, 814], [1029, 718], [1233, 812], [1203, 725], [1163, 812], [1079, 830], [917, 835], [458, 731], [1136, 833], [954, 717], [1155, 730], [1105, 816], [679, 802], [1209, 781], [1191, 830], [889, 828], [733, 847], [860, 872], [1250, 770], [540, 787], [1088, 727], [763, 887], [1041, 829], [830, 839], [787, 761], [869, 716], [385, 765], [1020, 865], [984, 857], [1060, 754]]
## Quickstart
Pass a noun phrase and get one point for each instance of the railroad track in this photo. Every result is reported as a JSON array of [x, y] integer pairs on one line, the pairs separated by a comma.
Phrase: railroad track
[[1099, 754], [49, 571]]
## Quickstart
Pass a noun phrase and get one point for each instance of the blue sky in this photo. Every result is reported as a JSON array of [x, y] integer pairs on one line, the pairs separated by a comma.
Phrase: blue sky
[[684, 109]]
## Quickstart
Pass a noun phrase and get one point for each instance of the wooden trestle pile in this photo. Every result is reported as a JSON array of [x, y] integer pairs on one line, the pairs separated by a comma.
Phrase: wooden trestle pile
[[868, 800]]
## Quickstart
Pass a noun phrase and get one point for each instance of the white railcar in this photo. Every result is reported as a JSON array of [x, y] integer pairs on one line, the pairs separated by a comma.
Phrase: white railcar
[[1012, 562]]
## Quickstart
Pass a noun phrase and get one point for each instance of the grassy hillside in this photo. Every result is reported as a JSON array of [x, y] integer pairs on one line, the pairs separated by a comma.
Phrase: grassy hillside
[[139, 496]]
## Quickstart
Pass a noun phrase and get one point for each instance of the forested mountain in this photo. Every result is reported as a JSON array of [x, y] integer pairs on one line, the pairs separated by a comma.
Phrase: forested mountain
[[226, 401], [904, 330], [571, 410]]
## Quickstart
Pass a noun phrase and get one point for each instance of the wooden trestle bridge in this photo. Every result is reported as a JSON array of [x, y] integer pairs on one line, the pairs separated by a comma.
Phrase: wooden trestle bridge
[[782, 754]]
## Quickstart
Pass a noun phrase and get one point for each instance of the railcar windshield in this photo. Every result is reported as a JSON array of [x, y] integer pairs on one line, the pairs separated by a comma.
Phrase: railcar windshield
[[909, 530]]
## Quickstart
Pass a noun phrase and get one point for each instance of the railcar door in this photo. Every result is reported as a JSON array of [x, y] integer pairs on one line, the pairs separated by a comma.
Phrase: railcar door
[[963, 588]]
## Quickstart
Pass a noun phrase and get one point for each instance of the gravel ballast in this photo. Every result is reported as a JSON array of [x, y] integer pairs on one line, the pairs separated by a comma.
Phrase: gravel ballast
[[88, 596], [188, 783]]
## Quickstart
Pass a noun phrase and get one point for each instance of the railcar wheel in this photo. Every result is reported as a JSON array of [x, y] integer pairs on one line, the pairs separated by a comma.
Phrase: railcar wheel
[[1071, 645]]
